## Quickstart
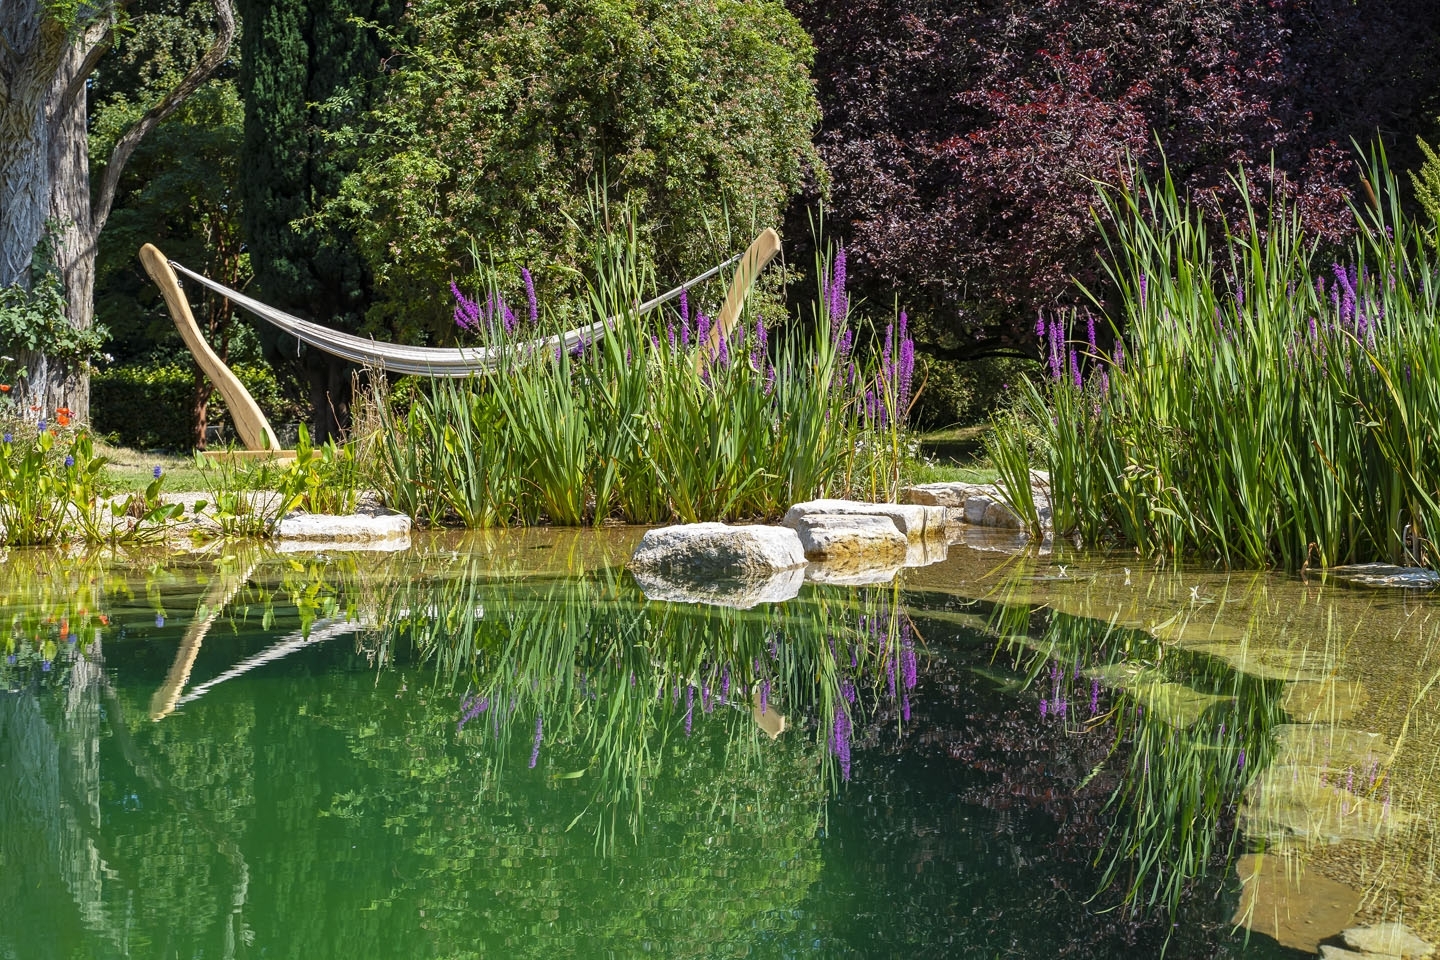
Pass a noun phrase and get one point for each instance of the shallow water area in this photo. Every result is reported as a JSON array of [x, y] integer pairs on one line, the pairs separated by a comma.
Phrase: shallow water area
[[495, 742]]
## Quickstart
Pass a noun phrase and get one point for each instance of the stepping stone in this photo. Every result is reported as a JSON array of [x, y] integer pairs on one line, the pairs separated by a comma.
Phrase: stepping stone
[[855, 540], [1297, 907], [916, 522], [692, 550], [355, 527], [1322, 701]]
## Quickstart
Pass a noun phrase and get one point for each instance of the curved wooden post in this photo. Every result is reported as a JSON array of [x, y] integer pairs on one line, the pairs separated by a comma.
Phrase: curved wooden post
[[757, 256], [250, 423]]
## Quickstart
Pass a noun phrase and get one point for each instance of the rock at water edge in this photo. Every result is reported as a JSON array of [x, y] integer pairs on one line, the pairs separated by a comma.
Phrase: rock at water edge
[[739, 593], [914, 521], [349, 528], [693, 549], [851, 539]]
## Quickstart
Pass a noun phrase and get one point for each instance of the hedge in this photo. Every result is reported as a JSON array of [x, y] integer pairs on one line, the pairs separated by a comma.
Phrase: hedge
[[149, 407]]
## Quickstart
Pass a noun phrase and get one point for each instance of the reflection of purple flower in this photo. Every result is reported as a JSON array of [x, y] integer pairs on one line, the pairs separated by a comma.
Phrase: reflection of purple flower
[[689, 708], [539, 735], [765, 696], [1241, 763], [471, 709], [905, 707], [1094, 697], [45, 665], [840, 742], [847, 690], [159, 620], [907, 663], [10, 659], [1044, 708], [725, 684]]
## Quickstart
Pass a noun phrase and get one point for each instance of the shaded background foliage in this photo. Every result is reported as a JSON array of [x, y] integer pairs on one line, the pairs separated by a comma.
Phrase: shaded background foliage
[[962, 139]]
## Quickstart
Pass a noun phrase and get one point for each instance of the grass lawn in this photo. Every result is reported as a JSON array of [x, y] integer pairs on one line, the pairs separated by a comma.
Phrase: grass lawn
[[953, 454], [131, 470]]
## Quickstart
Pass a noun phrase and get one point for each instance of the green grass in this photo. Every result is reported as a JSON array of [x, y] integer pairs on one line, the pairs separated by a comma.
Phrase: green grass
[[130, 471], [1271, 407]]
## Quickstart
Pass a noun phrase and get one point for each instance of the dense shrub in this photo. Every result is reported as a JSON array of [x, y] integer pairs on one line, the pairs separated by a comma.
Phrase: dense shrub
[[498, 118], [152, 407], [962, 138]]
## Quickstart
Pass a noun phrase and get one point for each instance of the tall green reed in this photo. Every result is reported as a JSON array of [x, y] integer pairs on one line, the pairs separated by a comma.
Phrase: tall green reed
[[648, 424], [1260, 404]]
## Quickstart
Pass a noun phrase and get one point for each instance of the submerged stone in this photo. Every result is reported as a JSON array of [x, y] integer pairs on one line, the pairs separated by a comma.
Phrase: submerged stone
[[1390, 938], [1174, 703], [1296, 907], [1322, 701], [696, 549], [915, 521], [1386, 575]]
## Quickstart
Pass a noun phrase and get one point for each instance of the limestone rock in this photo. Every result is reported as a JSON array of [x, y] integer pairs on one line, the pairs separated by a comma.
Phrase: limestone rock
[[692, 550], [851, 539], [849, 576], [915, 521], [740, 593], [355, 527], [1390, 938], [946, 494]]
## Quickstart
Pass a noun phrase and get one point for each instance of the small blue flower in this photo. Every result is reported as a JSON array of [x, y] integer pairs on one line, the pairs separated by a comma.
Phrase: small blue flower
[[8, 438], [69, 462], [159, 620], [158, 472], [71, 639], [42, 425]]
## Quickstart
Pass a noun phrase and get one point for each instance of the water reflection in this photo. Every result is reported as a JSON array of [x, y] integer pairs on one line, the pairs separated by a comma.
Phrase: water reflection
[[1286, 723]]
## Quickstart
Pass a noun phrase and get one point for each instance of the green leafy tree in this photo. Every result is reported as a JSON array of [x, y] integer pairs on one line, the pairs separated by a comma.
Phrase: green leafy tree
[[297, 54], [178, 191], [498, 119]]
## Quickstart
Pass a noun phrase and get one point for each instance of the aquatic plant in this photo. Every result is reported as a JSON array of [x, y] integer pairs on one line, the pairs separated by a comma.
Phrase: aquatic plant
[[1247, 399], [660, 419]]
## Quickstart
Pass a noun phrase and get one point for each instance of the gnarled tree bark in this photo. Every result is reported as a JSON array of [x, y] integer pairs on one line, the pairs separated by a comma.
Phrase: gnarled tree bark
[[44, 164]]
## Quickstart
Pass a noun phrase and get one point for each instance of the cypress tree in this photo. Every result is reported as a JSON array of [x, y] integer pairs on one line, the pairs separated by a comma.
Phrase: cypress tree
[[296, 55]]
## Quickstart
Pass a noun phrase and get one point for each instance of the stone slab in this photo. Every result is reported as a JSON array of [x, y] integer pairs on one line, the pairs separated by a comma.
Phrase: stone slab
[[692, 550], [915, 521], [851, 539], [1386, 575], [1295, 906], [377, 525]]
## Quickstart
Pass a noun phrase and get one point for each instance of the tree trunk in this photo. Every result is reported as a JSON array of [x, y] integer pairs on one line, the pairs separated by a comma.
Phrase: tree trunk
[[45, 167]]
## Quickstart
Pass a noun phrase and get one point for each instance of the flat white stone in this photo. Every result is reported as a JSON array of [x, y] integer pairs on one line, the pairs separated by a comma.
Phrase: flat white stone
[[388, 545], [340, 529], [740, 593], [851, 539], [1387, 938], [690, 550], [915, 521], [849, 576]]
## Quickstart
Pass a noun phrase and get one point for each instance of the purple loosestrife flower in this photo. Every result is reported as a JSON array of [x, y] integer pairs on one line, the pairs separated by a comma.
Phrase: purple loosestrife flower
[[847, 342], [757, 346], [670, 333], [508, 318], [1143, 287], [1075, 369], [847, 690], [1044, 708], [839, 303], [1057, 369], [723, 354], [1090, 331], [907, 362], [684, 333], [689, 707], [685, 307], [539, 735], [840, 742], [530, 294], [1040, 326], [702, 329]]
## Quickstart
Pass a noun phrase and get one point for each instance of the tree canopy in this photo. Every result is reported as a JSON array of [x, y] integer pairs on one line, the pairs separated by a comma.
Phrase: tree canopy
[[498, 119]]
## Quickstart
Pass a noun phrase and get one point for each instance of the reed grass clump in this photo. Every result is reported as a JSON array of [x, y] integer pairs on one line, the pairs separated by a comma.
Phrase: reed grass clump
[[662, 418], [1268, 403]]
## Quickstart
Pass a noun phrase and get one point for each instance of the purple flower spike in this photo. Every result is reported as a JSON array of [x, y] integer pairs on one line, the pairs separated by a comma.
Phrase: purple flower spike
[[1075, 368], [685, 308], [530, 294], [839, 303], [1040, 326], [840, 742], [539, 735], [905, 708], [689, 708]]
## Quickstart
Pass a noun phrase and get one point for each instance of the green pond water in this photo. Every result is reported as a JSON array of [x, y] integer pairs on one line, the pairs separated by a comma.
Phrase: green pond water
[[497, 745]]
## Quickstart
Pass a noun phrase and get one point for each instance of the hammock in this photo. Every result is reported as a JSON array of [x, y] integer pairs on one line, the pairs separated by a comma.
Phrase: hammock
[[255, 430], [427, 361]]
